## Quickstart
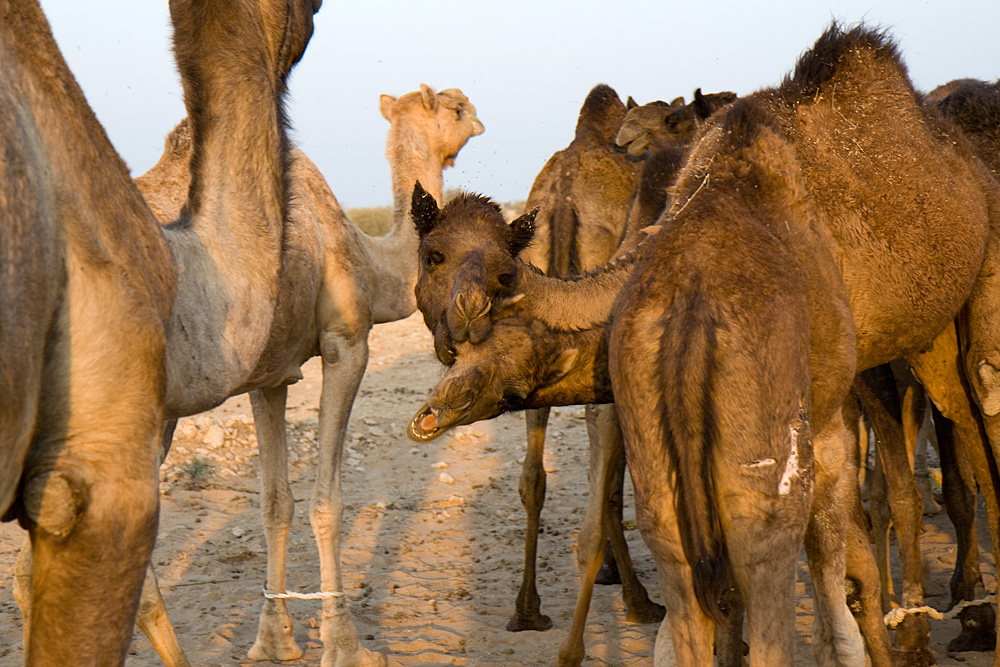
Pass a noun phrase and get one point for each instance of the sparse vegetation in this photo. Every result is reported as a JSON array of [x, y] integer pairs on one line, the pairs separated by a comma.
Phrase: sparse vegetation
[[373, 221], [198, 471]]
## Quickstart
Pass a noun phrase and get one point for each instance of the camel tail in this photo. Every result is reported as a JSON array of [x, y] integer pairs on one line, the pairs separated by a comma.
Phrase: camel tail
[[690, 431]]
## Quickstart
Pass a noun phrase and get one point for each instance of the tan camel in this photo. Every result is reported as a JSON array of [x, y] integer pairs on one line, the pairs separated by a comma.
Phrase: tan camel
[[105, 388], [339, 283], [800, 139]]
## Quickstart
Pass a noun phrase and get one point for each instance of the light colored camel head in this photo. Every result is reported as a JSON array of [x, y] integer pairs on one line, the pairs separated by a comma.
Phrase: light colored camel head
[[467, 257], [446, 119], [506, 372], [658, 124]]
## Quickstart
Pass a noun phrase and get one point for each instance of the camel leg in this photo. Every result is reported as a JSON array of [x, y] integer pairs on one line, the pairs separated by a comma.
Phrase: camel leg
[[604, 431], [876, 389], [878, 496], [917, 418], [836, 639], [344, 363], [959, 490], [941, 371], [153, 621], [527, 607], [864, 578], [590, 542], [275, 639]]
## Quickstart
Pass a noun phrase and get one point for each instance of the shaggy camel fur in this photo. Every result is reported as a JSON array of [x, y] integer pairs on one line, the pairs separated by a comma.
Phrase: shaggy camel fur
[[116, 261], [575, 197], [583, 195], [780, 184], [343, 282]]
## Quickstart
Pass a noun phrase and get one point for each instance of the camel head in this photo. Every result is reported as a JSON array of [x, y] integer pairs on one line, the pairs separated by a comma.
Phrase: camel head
[[507, 372], [658, 124], [467, 258], [446, 120]]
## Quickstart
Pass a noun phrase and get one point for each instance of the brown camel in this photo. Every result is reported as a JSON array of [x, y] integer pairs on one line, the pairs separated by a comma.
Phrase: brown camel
[[792, 174], [97, 394], [343, 282], [583, 195]]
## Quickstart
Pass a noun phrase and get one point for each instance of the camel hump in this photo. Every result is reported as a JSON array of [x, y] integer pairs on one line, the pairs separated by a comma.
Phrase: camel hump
[[837, 48], [601, 115]]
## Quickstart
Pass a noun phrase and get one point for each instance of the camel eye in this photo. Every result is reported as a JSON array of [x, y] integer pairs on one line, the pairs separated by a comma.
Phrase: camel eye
[[433, 258], [507, 280]]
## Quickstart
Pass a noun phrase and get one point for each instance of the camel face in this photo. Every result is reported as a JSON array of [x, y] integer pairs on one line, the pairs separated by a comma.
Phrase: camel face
[[467, 257], [496, 376], [448, 119], [657, 124]]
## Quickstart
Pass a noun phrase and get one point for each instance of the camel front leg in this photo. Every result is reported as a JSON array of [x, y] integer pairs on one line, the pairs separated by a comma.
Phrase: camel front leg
[[344, 365], [959, 488], [941, 371], [527, 607], [275, 639], [876, 389], [153, 621]]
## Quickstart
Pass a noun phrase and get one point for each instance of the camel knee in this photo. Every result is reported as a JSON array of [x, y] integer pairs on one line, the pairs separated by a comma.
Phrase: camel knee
[[986, 382], [54, 503]]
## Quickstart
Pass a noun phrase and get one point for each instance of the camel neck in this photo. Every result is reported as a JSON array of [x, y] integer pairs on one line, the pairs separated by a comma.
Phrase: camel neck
[[411, 160], [589, 380], [575, 303]]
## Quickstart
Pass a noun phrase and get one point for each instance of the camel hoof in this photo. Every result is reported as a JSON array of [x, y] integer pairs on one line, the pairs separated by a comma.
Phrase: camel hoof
[[646, 612], [520, 622], [260, 651], [978, 630], [607, 576], [919, 658], [360, 657]]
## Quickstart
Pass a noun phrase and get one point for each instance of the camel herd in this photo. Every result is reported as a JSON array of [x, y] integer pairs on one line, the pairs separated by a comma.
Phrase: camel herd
[[724, 282]]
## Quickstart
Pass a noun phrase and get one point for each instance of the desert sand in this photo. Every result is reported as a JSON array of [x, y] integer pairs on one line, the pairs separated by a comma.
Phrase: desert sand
[[433, 535]]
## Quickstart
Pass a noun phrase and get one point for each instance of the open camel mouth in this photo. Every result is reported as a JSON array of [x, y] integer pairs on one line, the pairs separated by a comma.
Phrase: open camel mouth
[[424, 427]]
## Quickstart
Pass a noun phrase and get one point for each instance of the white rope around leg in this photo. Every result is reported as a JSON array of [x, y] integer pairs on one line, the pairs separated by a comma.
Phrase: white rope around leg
[[304, 596], [896, 616]]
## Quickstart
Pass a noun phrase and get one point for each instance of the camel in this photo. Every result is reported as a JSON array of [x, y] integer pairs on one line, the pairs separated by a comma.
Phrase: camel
[[345, 283], [802, 138], [91, 335], [586, 196], [583, 195]]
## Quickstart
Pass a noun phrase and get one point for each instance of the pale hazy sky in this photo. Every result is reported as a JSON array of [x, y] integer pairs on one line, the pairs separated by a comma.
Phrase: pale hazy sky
[[527, 65]]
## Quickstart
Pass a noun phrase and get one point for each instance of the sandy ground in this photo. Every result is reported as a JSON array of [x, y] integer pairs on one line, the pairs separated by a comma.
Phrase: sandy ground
[[434, 535]]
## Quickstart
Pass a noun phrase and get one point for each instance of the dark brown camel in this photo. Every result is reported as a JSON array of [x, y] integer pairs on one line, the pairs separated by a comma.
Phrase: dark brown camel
[[837, 126], [583, 195], [103, 309]]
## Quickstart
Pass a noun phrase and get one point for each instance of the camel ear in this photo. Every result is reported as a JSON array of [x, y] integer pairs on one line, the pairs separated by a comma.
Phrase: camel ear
[[423, 209], [561, 367], [524, 230], [677, 102], [385, 103], [630, 104], [429, 97], [702, 109]]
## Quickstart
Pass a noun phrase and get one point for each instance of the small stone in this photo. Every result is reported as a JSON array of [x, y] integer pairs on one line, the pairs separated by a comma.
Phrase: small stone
[[238, 532], [441, 465], [446, 478]]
